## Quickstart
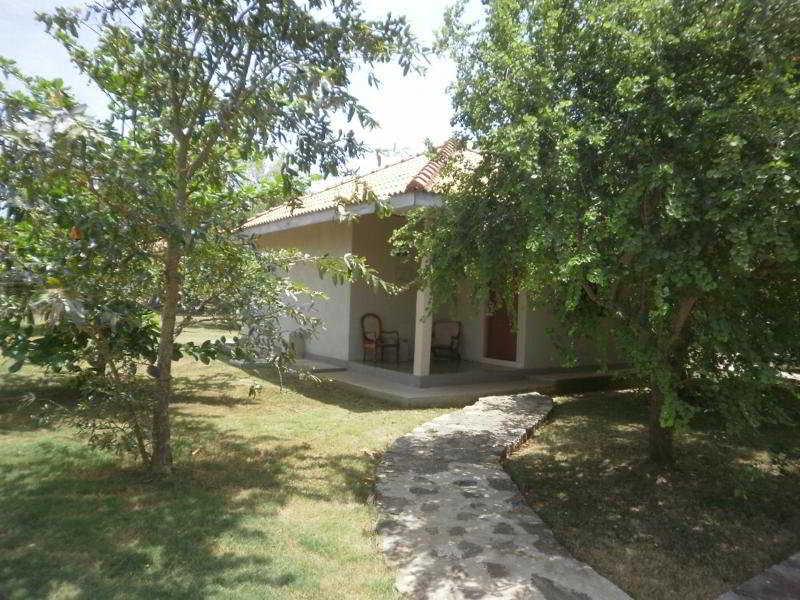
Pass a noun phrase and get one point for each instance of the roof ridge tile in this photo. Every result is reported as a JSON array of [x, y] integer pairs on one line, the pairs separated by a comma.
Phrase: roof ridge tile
[[424, 180]]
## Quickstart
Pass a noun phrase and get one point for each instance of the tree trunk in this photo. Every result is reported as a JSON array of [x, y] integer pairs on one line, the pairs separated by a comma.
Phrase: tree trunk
[[660, 437], [661, 446], [161, 461], [162, 451]]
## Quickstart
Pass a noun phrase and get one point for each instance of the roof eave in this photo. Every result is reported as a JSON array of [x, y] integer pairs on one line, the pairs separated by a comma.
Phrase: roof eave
[[399, 203]]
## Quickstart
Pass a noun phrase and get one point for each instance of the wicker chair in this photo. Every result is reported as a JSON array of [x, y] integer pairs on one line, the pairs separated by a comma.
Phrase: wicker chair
[[446, 339], [374, 339]]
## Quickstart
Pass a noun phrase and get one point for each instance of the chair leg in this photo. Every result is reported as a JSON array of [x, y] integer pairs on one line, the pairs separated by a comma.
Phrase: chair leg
[[397, 355], [364, 357]]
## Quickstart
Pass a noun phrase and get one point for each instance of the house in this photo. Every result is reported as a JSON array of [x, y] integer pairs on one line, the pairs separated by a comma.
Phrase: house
[[489, 342]]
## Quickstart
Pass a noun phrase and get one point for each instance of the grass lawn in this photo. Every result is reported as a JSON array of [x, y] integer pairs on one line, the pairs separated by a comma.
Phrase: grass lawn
[[722, 515], [270, 498]]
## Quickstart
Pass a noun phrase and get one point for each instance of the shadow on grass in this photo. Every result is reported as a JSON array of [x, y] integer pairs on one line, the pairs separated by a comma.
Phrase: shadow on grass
[[207, 388], [15, 414], [298, 469], [14, 387], [325, 391], [74, 520], [79, 523], [203, 388], [217, 325], [725, 511]]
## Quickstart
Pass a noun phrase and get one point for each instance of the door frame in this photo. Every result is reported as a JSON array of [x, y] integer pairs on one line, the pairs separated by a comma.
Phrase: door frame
[[522, 328]]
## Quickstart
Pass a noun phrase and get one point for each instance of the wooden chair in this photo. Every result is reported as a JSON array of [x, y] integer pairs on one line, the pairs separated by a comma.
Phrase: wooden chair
[[446, 339], [374, 339]]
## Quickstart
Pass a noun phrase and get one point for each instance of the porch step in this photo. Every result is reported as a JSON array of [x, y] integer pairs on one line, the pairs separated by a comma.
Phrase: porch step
[[415, 396], [464, 374], [576, 382]]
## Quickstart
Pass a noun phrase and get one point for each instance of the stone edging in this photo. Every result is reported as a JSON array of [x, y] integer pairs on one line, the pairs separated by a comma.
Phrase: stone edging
[[453, 523], [781, 581]]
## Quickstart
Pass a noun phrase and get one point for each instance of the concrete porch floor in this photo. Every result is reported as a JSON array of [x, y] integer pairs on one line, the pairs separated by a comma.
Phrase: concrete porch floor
[[460, 384], [438, 366]]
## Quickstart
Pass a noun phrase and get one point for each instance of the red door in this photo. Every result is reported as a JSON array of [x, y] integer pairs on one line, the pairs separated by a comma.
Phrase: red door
[[501, 339]]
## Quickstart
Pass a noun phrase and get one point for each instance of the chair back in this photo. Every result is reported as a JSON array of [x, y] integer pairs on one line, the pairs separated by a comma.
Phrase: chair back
[[371, 326], [445, 332]]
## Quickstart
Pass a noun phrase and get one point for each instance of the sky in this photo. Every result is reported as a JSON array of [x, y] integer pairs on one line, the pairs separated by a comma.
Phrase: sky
[[409, 109]]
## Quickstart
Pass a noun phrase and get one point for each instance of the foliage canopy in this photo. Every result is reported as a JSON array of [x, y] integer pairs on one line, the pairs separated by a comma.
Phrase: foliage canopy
[[113, 220], [641, 169]]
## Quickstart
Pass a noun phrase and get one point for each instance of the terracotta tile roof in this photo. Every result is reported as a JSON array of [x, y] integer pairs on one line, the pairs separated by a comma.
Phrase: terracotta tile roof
[[427, 176], [415, 174]]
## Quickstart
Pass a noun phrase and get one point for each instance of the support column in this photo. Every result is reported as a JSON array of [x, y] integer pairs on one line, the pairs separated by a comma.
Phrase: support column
[[423, 328]]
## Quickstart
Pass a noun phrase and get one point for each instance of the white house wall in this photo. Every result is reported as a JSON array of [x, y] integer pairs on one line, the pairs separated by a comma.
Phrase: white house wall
[[541, 334], [471, 331], [544, 338], [335, 239], [371, 240], [541, 349], [340, 336]]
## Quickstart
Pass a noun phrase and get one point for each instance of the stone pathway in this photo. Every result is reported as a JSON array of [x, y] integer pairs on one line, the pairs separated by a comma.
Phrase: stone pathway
[[779, 582], [454, 524]]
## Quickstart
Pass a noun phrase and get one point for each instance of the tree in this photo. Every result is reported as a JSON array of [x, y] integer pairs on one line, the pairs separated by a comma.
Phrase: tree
[[79, 266], [640, 168], [195, 88]]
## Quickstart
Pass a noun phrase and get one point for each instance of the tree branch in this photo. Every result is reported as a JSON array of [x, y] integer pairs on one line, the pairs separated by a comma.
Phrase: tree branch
[[234, 102], [681, 317]]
